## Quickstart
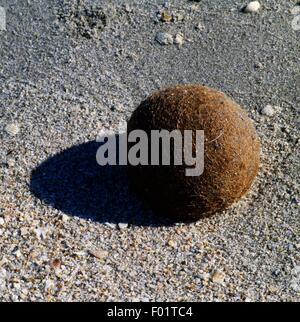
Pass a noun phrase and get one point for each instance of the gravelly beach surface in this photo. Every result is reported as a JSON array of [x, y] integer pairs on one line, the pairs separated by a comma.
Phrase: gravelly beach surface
[[71, 230]]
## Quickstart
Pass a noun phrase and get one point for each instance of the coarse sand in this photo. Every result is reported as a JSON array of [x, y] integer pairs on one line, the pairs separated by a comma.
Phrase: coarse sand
[[71, 230]]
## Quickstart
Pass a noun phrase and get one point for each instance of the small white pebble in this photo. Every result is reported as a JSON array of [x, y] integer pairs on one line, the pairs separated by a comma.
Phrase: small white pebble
[[248, 300], [41, 232], [295, 10], [12, 129], [110, 225], [128, 8], [49, 285], [164, 38], [252, 6], [172, 243], [194, 7], [200, 26], [11, 162], [100, 254], [18, 254], [179, 39], [80, 253], [178, 17], [24, 291], [296, 271], [2, 283], [204, 276], [3, 273], [3, 261], [23, 231], [258, 65], [2, 222], [65, 218], [122, 225], [218, 277], [270, 110], [272, 289], [295, 286]]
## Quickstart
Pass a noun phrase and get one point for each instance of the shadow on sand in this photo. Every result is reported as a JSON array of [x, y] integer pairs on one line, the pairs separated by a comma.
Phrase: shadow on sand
[[74, 183]]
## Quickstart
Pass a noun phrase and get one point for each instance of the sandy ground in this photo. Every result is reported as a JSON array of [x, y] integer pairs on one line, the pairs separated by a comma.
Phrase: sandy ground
[[68, 71]]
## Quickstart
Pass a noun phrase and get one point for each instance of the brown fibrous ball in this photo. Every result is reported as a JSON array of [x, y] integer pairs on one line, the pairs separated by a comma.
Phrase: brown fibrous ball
[[231, 152]]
